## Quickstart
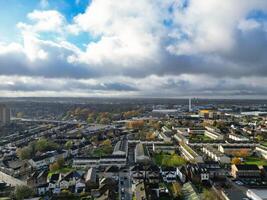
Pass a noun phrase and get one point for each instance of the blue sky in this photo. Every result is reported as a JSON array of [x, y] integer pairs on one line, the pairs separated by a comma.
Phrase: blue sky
[[148, 48]]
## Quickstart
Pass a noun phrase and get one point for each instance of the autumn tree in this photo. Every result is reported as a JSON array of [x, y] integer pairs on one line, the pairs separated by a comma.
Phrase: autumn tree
[[57, 165], [54, 166], [236, 161], [136, 124], [150, 136], [242, 153]]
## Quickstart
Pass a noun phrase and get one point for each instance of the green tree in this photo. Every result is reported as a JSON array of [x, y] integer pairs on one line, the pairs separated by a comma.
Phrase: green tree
[[61, 162], [22, 192], [209, 195], [69, 144], [177, 189], [43, 145], [25, 153]]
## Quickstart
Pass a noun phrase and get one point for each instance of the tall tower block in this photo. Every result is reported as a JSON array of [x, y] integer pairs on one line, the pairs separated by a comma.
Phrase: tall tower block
[[189, 105]]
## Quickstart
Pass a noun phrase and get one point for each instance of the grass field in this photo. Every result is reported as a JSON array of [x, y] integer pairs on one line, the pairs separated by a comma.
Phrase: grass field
[[200, 138], [63, 170], [168, 160], [255, 160]]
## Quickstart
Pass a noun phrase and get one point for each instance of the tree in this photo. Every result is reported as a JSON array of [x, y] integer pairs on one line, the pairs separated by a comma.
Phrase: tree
[[136, 124], [54, 166], [57, 165], [177, 189], [106, 142], [209, 195], [61, 162], [69, 144], [25, 153], [236, 161], [240, 153], [90, 120], [150, 136], [44, 145], [23, 192], [260, 138]]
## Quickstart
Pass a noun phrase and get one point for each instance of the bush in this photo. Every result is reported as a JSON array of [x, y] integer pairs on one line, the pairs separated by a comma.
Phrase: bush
[[23, 192]]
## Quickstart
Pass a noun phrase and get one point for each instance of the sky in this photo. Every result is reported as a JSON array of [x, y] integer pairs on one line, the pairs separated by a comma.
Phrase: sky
[[133, 48]]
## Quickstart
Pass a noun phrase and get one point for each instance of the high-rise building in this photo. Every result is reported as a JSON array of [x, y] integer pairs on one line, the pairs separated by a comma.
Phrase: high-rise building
[[4, 114], [189, 106]]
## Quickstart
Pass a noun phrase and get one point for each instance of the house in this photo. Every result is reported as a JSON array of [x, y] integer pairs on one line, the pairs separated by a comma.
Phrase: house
[[91, 178], [149, 173], [239, 138], [166, 135], [37, 178], [213, 135], [74, 150], [141, 154], [216, 155], [180, 175], [54, 183], [166, 148], [181, 138], [169, 174], [245, 171], [42, 189], [229, 149], [264, 172], [106, 191], [189, 192], [190, 154], [216, 172], [121, 147], [73, 181], [197, 173], [261, 151], [111, 160], [43, 161], [257, 194]]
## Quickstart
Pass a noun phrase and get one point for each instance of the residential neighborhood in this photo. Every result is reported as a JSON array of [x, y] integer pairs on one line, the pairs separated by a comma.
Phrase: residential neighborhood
[[139, 156]]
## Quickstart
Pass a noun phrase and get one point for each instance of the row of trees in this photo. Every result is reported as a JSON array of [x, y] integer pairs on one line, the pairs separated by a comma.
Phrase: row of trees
[[135, 124], [41, 146], [100, 117]]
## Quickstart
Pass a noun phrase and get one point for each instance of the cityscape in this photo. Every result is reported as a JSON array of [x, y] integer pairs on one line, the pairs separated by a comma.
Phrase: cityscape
[[139, 149], [133, 100]]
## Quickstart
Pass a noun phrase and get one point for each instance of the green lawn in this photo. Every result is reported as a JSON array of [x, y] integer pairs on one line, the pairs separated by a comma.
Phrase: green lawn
[[168, 160], [255, 160], [264, 143], [200, 138], [63, 170]]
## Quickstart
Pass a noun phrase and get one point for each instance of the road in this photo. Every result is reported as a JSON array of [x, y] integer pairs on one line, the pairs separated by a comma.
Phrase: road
[[125, 185]]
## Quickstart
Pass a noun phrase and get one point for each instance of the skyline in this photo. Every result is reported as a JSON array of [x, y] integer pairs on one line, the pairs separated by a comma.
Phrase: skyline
[[149, 48]]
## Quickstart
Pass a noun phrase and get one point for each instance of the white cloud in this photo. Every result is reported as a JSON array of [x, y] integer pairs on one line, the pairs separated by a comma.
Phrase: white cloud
[[247, 25], [201, 51], [129, 31], [44, 21], [209, 26]]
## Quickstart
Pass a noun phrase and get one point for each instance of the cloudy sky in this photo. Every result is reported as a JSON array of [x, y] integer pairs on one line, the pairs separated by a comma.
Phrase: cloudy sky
[[139, 48]]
